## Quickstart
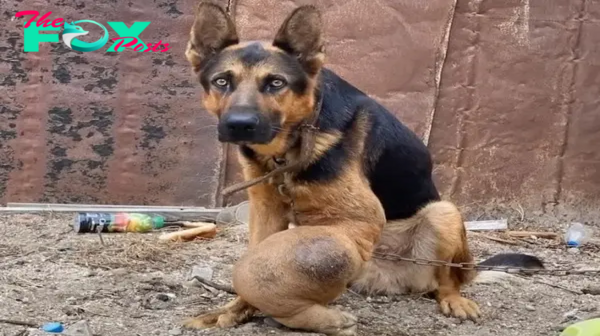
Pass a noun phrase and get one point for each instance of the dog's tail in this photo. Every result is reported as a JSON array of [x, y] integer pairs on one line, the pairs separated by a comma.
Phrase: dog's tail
[[436, 232]]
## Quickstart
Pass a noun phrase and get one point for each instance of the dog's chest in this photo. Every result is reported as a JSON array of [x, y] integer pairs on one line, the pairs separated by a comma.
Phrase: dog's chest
[[289, 191]]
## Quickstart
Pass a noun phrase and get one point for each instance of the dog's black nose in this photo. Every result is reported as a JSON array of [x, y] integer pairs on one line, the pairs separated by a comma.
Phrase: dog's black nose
[[241, 123], [244, 126]]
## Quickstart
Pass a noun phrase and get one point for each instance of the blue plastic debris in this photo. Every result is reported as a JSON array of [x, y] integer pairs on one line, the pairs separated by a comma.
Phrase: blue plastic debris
[[53, 327]]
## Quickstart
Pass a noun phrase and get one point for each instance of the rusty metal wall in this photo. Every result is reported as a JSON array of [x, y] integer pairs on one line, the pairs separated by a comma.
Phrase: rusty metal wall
[[517, 117], [504, 92]]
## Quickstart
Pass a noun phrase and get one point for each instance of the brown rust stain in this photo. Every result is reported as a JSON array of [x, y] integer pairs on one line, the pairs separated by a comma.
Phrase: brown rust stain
[[110, 128], [26, 180]]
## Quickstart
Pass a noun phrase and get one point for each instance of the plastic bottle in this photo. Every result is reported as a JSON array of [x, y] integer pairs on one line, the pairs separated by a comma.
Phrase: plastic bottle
[[117, 222], [576, 235]]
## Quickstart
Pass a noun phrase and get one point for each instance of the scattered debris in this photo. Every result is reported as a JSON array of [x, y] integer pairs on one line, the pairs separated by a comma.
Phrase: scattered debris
[[208, 230], [117, 222], [487, 225], [158, 301], [577, 234], [555, 285], [203, 272], [81, 328], [175, 332], [496, 239], [224, 288], [19, 323], [135, 273], [529, 234], [592, 290], [571, 315]]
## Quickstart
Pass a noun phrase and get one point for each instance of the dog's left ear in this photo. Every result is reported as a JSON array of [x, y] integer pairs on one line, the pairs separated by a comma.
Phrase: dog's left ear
[[301, 35], [212, 31]]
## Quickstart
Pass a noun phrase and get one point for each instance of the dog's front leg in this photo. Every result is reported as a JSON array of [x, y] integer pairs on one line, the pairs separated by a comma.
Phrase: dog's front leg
[[267, 216], [267, 213]]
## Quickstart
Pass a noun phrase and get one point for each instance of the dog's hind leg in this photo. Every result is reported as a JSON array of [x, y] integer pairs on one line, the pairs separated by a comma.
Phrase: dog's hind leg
[[436, 232], [452, 246], [293, 275]]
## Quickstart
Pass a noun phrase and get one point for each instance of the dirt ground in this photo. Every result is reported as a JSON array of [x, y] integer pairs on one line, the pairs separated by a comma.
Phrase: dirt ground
[[136, 285]]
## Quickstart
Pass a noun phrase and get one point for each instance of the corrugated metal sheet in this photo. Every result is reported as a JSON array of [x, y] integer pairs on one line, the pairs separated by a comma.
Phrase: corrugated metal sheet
[[505, 91]]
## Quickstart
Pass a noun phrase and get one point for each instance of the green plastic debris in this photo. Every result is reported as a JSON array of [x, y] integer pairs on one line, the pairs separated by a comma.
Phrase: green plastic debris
[[584, 328]]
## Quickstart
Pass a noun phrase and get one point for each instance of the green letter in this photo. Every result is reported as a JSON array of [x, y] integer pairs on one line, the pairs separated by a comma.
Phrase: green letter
[[32, 37]]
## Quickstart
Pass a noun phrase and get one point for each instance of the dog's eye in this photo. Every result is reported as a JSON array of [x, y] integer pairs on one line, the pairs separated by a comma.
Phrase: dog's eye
[[277, 83], [221, 82]]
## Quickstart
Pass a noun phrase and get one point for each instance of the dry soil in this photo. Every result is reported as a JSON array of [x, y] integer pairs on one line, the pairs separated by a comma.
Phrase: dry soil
[[135, 285]]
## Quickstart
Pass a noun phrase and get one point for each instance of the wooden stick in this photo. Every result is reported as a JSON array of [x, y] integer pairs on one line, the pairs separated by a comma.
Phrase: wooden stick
[[574, 291], [526, 234], [195, 224], [205, 231], [19, 323], [224, 288], [499, 240], [487, 225]]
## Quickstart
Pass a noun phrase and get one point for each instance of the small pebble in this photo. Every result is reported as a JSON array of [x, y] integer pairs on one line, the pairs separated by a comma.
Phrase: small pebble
[[530, 308], [571, 314], [592, 290], [203, 272], [175, 332], [119, 272], [248, 326], [272, 323], [162, 297], [81, 328]]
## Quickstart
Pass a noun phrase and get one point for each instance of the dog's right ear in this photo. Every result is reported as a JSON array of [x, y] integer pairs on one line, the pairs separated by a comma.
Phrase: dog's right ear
[[212, 31]]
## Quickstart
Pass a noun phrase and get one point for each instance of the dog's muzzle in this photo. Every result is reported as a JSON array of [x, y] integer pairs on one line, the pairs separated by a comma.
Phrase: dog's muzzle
[[245, 126]]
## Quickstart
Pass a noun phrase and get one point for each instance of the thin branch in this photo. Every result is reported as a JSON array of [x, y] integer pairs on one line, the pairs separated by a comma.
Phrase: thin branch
[[224, 288], [19, 323]]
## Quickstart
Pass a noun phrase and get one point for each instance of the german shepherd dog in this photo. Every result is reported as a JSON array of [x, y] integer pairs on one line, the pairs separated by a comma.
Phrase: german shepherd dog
[[367, 185]]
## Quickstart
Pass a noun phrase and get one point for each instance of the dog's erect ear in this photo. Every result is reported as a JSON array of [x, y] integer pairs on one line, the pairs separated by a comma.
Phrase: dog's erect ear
[[211, 32], [301, 35]]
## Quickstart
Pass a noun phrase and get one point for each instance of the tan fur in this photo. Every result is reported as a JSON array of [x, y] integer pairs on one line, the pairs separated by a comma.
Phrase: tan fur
[[292, 275], [436, 232]]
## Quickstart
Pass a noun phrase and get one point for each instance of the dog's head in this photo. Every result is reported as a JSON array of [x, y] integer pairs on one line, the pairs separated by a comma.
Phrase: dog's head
[[258, 90]]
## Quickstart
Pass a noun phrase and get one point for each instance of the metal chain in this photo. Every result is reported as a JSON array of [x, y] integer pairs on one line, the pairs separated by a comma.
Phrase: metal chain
[[473, 266]]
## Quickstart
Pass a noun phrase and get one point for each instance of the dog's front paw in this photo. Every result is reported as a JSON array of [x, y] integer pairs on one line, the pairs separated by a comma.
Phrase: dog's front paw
[[217, 318], [349, 326], [460, 307], [231, 315]]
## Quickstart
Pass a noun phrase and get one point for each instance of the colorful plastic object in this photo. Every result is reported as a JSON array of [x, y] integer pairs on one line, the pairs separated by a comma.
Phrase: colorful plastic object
[[583, 328], [53, 327], [117, 222]]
